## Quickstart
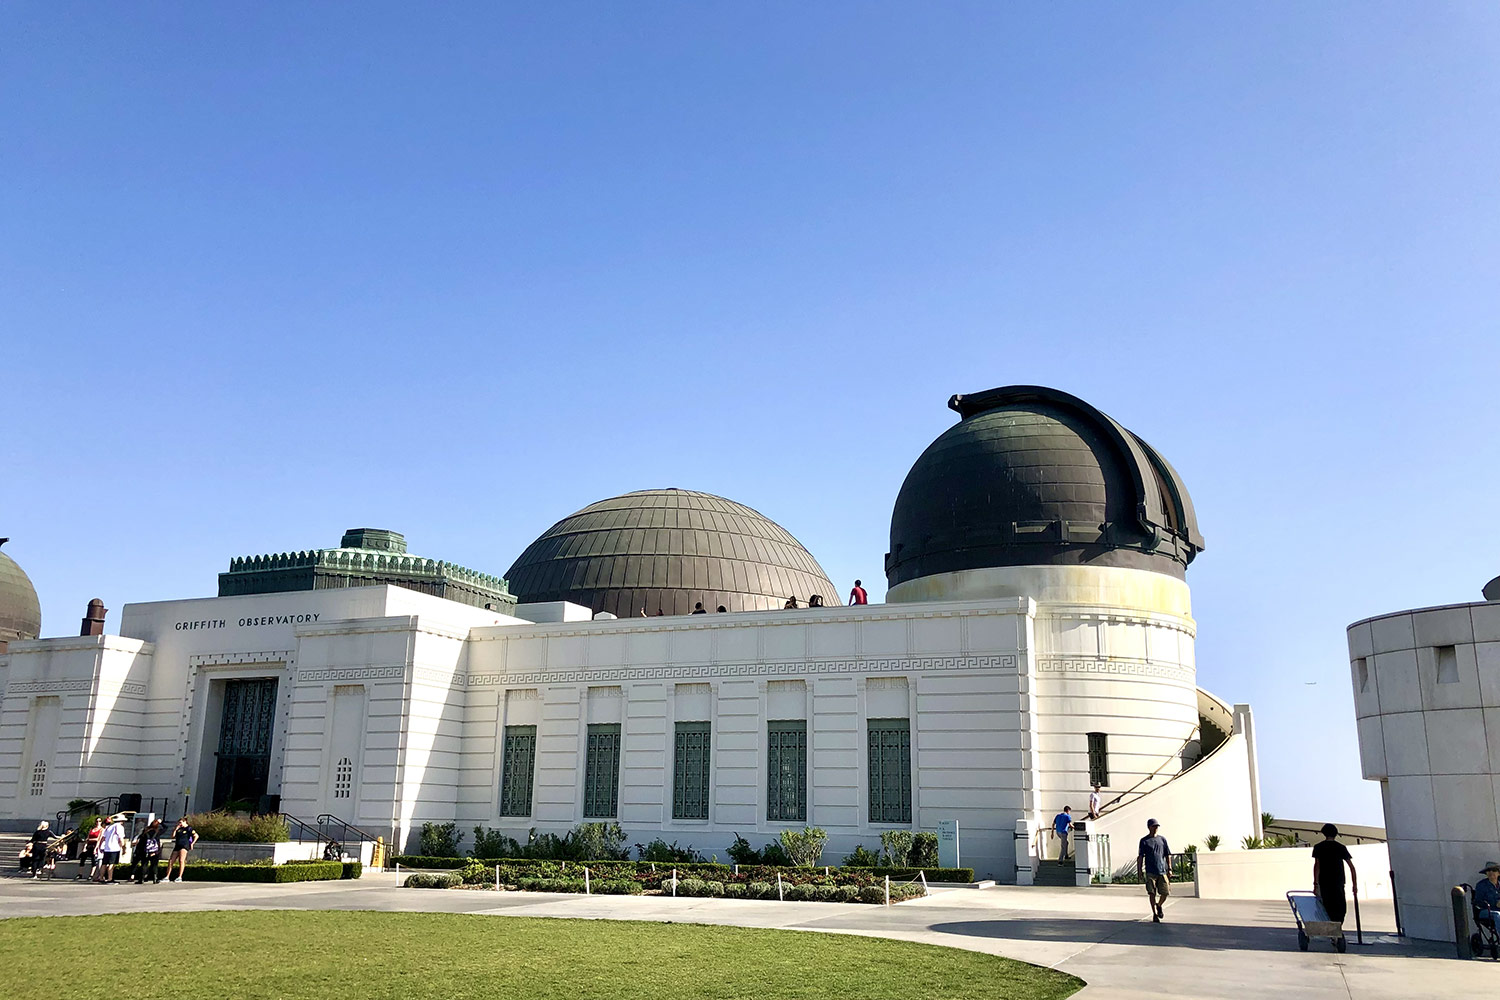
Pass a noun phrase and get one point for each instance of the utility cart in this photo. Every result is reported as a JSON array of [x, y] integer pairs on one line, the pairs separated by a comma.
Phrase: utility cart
[[1313, 922]]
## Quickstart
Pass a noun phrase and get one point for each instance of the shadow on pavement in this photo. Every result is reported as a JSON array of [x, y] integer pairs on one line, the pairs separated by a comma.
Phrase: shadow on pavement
[[1169, 934]]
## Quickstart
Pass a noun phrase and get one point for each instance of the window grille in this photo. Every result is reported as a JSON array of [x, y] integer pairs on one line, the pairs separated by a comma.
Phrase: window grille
[[786, 771], [690, 777], [343, 778], [517, 770], [1098, 759], [890, 770], [601, 771], [39, 777]]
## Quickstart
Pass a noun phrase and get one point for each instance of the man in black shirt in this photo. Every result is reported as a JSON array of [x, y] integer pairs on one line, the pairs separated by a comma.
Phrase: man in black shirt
[[1329, 859]]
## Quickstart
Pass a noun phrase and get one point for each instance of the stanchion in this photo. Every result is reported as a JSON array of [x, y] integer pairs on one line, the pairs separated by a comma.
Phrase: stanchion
[[1359, 930], [887, 890], [497, 878], [1460, 901], [674, 882], [779, 897], [586, 890]]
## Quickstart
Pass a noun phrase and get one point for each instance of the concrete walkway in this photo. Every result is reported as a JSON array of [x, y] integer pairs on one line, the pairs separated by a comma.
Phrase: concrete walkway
[[1205, 950]]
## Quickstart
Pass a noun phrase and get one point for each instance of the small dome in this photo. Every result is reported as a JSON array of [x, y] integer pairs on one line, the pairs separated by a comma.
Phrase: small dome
[[668, 550], [1033, 476], [20, 611]]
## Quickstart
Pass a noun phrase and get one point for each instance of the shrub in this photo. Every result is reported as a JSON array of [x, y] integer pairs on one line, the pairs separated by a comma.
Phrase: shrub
[[797, 893], [736, 890], [741, 853], [761, 890], [692, 887], [551, 884], [924, 851], [600, 842], [862, 857], [933, 874], [848, 893], [494, 844], [352, 869], [432, 880], [872, 894], [421, 861], [662, 852], [229, 828], [619, 887], [804, 847], [1212, 842], [775, 855], [896, 847], [441, 839], [255, 871], [477, 874]]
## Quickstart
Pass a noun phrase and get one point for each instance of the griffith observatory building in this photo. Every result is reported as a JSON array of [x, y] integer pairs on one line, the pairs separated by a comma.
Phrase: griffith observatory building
[[1037, 638]]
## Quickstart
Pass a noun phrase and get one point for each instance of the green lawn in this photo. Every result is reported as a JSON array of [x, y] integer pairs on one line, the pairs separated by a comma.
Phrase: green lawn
[[289, 955]]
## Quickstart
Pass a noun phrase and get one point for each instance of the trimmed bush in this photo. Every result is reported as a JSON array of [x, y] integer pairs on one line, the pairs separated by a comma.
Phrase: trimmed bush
[[933, 874], [261, 871], [761, 890], [797, 893], [352, 869], [924, 851], [872, 894], [735, 890], [432, 880], [847, 893], [692, 887], [228, 828]]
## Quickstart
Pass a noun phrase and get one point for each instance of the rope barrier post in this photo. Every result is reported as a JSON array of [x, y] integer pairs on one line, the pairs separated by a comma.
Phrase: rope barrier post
[[923, 876], [674, 883], [736, 869], [780, 898], [825, 871], [887, 890], [497, 878], [586, 890]]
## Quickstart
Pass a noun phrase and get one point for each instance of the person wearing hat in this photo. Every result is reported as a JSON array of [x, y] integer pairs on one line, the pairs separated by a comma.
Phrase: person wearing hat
[[1154, 864], [1487, 893], [110, 845], [1329, 858], [39, 840]]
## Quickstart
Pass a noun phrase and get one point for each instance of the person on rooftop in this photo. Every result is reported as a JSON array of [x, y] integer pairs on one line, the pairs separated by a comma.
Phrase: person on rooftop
[[858, 595]]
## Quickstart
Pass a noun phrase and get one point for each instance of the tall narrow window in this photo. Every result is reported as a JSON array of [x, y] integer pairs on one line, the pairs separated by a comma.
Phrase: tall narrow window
[[39, 778], [690, 771], [518, 765], [786, 771], [601, 771], [1098, 759], [343, 778], [890, 770], [1362, 672], [1447, 665]]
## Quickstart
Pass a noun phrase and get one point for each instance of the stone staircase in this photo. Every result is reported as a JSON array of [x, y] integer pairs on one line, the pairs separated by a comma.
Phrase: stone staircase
[[1052, 872], [10, 846]]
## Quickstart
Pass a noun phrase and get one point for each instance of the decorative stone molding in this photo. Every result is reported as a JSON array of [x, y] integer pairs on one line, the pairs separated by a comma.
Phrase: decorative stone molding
[[1087, 666], [226, 661], [340, 674], [790, 669], [49, 686]]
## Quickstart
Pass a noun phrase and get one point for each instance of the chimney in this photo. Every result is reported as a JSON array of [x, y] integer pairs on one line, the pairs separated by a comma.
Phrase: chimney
[[93, 621]]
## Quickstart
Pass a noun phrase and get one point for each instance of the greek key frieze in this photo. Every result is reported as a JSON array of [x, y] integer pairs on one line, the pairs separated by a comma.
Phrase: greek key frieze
[[353, 674]]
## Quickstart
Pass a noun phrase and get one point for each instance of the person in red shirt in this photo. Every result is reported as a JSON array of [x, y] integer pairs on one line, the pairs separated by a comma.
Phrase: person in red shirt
[[858, 595]]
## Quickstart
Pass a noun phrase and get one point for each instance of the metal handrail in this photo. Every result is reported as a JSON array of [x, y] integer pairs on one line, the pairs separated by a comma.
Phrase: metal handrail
[[328, 819]]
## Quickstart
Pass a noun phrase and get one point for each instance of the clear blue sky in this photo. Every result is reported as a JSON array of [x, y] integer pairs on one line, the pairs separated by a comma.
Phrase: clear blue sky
[[271, 271]]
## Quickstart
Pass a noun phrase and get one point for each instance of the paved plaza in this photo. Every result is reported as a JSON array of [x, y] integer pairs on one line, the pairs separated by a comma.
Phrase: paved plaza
[[1206, 948]]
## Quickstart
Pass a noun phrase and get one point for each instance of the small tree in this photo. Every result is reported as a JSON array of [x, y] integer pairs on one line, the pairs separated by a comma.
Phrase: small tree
[[1211, 842], [804, 847], [494, 844], [441, 840], [897, 846]]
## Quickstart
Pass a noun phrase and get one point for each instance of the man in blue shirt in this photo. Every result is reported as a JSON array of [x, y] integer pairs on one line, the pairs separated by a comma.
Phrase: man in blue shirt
[[1487, 893], [1154, 863], [1062, 823]]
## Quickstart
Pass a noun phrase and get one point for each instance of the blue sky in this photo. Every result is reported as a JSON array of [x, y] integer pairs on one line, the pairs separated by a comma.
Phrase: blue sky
[[271, 271]]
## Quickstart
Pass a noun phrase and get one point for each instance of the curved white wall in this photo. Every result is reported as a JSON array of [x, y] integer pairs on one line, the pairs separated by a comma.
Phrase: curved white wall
[[1114, 653]]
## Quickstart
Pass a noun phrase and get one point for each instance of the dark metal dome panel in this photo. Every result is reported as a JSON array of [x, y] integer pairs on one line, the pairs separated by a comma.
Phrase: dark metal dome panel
[[666, 550], [20, 611], [1034, 476]]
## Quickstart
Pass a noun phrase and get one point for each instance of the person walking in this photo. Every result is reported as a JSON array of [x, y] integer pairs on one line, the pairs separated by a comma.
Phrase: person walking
[[1329, 859], [111, 843], [1062, 825], [1094, 803], [40, 837], [183, 839], [88, 852], [1154, 865], [858, 595], [148, 855]]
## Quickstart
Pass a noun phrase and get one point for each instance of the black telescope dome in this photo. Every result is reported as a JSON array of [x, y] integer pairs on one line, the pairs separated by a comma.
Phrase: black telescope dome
[[1034, 476]]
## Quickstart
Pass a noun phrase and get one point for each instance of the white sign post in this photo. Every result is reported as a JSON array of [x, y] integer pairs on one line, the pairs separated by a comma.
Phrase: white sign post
[[948, 855]]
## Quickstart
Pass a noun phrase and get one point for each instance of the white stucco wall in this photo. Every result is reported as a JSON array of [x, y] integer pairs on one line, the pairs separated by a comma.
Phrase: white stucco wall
[[1427, 700], [1272, 872]]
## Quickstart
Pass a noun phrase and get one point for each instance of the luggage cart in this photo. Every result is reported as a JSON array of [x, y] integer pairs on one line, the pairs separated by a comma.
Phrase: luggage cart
[[1313, 922]]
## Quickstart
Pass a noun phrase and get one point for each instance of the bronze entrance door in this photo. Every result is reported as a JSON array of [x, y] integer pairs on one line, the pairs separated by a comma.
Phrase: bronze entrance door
[[244, 754]]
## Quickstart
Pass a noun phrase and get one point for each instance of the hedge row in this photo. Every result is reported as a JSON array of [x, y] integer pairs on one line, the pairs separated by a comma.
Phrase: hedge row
[[797, 893], [705, 870], [351, 869], [223, 871]]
